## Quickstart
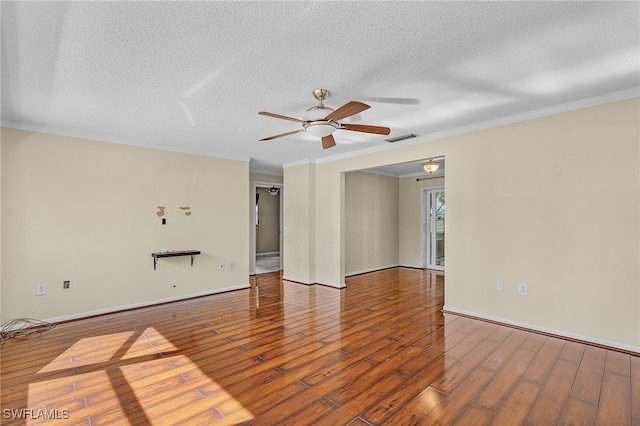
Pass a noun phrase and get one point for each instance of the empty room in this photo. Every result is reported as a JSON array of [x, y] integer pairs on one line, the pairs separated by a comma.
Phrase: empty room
[[365, 213]]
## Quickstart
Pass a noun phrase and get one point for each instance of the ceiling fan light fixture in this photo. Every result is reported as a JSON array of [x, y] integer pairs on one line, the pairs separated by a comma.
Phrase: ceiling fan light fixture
[[320, 129], [430, 166]]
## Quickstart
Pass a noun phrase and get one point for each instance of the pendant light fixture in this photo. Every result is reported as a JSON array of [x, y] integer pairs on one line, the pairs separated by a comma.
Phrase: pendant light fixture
[[431, 166]]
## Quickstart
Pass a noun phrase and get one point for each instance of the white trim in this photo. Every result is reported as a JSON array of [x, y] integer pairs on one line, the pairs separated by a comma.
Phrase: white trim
[[296, 280], [147, 303], [265, 170], [270, 253], [343, 285], [366, 271], [405, 265], [45, 130], [299, 281], [425, 225], [298, 163], [422, 174], [557, 109], [560, 333], [530, 115]]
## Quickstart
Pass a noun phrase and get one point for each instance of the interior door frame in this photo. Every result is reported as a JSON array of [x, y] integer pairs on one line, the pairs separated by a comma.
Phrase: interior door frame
[[427, 227], [263, 184]]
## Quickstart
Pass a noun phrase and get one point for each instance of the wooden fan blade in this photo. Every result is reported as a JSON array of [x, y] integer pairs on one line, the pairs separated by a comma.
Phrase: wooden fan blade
[[378, 130], [281, 135], [347, 110], [283, 117], [328, 141]]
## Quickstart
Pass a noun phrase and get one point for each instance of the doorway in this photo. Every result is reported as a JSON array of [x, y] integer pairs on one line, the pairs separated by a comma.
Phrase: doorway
[[267, 235], [433, 226]]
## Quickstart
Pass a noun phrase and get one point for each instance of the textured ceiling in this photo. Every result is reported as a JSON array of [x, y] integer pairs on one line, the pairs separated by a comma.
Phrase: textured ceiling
[[192, 76]]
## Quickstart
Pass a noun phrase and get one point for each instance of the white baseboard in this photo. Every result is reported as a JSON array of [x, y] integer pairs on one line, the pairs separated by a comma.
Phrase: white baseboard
[[366, 271], [295, 280], [299, 281], [552, 331], [404, 265], [144, 304], [343, 285], [270, 253]]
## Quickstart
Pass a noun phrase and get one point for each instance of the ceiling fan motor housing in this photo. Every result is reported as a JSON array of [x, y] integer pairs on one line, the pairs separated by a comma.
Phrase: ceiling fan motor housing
[[317, 125]]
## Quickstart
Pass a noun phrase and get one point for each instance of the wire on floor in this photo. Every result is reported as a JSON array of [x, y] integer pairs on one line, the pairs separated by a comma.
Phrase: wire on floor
[[23, 328]]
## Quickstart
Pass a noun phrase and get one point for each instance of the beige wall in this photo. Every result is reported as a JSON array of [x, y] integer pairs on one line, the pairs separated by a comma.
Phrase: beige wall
[[371, 222], [268, 229], [544, 216], [540, 213], [299, 220], [85, 211], [410, 211]]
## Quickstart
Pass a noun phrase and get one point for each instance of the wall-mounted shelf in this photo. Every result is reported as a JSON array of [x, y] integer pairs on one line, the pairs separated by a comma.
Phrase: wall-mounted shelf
[[156, 256]]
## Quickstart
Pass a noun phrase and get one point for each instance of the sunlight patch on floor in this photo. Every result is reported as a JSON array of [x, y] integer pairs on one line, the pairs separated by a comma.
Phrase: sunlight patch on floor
[[148, 386], [89, 351]]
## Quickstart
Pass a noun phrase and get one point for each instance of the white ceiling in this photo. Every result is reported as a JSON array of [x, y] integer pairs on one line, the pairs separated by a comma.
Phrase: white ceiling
[[192, 76]]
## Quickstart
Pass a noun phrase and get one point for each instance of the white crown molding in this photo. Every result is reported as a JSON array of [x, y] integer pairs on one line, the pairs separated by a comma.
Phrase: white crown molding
[[298, 163], [422, 174], [557, 109], [45, 130]]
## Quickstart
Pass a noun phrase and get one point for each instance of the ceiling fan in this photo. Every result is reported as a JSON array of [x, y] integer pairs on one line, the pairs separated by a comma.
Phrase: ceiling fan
[[322, 121]]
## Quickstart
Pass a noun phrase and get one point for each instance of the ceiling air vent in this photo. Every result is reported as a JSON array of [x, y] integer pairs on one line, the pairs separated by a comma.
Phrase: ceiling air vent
[[401, 138]]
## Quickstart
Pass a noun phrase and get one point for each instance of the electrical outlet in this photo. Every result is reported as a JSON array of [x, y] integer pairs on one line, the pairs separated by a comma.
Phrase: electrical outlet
[[232, 265], [523, 289], [65, 284], [221, 266], [41, 289], [500, 285]]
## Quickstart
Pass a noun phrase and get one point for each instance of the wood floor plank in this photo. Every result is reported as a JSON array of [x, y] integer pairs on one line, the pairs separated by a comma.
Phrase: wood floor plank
[[504, 380], [516, 407], [534, 342], [274, 414], [614, 406], [453, 404], [548, 408], [415, 410], [635, 387], [589, 378], [618, 363], [363, 396], [474, 416], [578, 412], [544, 360], [311, 413], [452, 377], [572, 351], [394, 402], [502, 353], [379, 351]]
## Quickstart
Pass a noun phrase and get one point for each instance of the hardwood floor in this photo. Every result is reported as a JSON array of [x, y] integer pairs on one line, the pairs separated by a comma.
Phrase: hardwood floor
[[378, 352]]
